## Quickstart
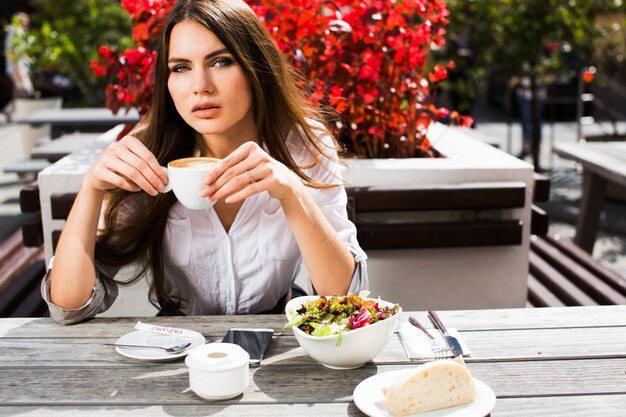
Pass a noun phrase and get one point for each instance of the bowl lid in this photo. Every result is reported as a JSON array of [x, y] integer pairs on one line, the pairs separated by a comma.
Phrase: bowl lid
[[217, 357]]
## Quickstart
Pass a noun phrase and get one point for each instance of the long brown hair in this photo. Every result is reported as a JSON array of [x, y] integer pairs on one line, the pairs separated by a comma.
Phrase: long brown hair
[[279, 108]]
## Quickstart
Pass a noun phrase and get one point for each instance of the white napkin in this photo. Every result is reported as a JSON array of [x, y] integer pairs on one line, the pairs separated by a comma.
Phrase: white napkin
[[172, 331], [417, 344]]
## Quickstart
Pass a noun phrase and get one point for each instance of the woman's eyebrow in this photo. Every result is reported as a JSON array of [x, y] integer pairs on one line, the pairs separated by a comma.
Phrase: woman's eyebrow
[[207, 56]]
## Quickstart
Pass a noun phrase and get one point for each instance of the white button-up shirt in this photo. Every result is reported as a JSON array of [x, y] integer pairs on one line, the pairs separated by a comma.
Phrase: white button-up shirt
[[250, 268]]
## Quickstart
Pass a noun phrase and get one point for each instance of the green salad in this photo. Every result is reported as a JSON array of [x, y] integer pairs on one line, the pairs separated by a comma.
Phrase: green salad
[[326, 316]]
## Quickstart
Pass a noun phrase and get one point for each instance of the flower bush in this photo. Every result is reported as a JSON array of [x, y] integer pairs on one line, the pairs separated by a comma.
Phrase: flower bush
[[131, 73], [369, 60]]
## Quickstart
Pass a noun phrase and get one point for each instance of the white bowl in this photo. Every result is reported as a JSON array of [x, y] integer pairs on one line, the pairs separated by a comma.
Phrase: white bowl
[[357, 346]]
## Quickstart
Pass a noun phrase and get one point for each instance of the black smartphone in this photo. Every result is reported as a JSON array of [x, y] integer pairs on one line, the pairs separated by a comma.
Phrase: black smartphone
[[254, 341]]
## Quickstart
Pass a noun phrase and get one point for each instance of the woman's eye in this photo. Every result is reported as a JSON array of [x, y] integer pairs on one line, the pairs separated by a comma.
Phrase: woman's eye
[[180, 68], [223, 62]]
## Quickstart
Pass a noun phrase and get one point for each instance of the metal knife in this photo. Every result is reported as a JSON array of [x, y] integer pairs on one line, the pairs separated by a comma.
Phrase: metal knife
[[452, 341]]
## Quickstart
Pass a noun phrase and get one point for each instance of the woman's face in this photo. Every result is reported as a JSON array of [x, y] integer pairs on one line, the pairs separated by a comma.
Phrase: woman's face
[[208, 87]]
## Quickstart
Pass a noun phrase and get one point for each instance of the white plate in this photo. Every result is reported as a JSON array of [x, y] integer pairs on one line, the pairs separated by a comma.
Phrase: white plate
[[369, 397], [142, 337]]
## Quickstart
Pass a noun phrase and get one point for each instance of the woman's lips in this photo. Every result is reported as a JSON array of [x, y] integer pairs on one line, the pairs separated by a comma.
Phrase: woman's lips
[[206, 113]]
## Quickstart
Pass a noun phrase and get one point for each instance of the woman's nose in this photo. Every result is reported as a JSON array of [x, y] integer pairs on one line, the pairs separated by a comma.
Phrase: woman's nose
[[203, 84]]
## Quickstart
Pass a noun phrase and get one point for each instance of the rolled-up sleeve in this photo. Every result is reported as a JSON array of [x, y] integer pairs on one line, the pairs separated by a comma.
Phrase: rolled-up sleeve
[[103, 295]]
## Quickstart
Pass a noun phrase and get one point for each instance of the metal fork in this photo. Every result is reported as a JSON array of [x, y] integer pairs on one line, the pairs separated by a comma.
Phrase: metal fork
[[439, 349], [171, 349]]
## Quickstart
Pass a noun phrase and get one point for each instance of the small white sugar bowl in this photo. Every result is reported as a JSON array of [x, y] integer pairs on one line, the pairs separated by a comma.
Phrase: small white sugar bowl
[[218, 371]]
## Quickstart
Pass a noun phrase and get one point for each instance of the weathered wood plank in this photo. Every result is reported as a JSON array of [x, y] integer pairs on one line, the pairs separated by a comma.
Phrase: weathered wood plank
[[285, 383], [206, 409], [590, 405], [480, 196], [607, 342], [605, 405], [466, 320], [585, 406]]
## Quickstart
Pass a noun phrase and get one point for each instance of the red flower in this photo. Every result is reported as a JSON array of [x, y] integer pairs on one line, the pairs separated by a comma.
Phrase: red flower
[[467, 121], [98, 70], [442, 113], [440, 73]]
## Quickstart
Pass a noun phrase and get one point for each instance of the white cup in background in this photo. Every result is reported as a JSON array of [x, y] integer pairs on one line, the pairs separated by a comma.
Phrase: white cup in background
[[185, 179], [218, 371]]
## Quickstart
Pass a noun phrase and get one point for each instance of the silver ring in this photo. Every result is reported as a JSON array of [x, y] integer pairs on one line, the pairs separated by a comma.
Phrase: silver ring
[[252, 180]]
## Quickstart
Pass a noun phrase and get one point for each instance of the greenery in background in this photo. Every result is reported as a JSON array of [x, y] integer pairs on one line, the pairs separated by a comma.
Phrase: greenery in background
[[609, 55], [543, 40], [510, 36], [64, 37]]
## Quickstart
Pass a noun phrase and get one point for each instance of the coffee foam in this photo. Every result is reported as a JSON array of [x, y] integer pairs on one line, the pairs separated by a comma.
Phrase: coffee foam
[[197, 162]]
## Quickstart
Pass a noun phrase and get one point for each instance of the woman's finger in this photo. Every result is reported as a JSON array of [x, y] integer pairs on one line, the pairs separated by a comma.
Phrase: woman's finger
[[248, 171], [235, 158], [142, 168], [119, 166], [139, 149], [249, 190], [243, 179], [109, 177]]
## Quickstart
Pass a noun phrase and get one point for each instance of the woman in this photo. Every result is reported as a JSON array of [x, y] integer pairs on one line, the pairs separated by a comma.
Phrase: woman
[[222, 89]]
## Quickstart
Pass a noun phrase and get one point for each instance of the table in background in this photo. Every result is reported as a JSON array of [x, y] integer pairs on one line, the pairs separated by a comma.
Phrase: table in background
[[603, 163], [65, 120], [56, 149], [567, 361]]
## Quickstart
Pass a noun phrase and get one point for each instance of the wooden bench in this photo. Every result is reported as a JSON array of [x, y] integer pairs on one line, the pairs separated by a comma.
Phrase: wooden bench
[[32, 229], [21, 271], [373, 235], [476, 197], [563, 274], [472, 198]]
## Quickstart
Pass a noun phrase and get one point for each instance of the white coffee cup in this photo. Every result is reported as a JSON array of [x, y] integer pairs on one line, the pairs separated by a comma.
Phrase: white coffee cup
[[185, 179]]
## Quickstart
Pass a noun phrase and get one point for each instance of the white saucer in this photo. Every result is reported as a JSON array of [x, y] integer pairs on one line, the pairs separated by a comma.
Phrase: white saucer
[[142, 337], [369, 398]]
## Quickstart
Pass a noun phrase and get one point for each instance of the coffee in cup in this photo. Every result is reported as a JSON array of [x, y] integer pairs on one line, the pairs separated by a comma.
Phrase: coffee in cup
[[185, 179]]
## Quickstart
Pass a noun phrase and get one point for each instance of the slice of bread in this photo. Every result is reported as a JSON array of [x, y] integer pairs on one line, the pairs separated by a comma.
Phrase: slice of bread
[[433, 385]]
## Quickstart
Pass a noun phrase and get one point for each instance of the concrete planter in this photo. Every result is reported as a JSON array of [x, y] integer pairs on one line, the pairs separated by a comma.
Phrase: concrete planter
[[450, 278]]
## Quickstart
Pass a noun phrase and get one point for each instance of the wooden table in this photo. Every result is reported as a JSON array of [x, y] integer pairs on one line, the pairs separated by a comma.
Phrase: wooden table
[[603, 163], [80, 119], [567, 361]]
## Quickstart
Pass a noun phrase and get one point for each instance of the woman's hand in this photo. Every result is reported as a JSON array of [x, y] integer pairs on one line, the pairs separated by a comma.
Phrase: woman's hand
[[129, 165], [249, 170]]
